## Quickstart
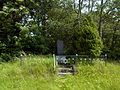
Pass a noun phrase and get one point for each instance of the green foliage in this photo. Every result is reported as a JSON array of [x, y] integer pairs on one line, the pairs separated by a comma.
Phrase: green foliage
[[33, 41], [84, 39], [111, 32], [37, 72], [10, 17], [92, 44], [34, 26]]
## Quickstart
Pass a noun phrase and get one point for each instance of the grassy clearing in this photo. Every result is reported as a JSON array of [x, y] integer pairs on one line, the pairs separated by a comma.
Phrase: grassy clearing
[[36, 73]]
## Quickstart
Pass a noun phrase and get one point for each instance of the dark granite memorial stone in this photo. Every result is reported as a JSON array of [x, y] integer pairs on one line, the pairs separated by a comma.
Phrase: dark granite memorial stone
[[60, 47]]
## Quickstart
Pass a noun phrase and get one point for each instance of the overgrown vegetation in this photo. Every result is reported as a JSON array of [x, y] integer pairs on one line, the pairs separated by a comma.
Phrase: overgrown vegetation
[[36, 73], [32, 27]]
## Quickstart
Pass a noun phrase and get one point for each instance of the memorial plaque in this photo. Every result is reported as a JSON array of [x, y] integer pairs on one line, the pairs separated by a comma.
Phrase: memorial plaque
[[60, 47]]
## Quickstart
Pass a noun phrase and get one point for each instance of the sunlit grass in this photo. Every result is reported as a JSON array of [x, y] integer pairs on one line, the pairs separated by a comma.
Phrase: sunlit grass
[[37, 73]]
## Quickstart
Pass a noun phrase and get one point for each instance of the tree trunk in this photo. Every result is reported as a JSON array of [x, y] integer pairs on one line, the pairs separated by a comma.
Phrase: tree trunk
[[100, 19], [79, 11], [89, 6], [74, 6], [93, 2]]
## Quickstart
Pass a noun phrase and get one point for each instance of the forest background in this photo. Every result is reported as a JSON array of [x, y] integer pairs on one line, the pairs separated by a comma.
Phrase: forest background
[[87, 27]]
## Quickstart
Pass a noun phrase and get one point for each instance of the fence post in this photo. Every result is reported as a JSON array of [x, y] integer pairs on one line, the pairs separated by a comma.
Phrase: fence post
[[22, 58], [76, 58], [105, 59], [54, 61]]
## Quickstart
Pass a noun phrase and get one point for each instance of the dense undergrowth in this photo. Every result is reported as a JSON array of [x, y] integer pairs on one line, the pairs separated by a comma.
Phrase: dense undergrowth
[[37, 73]]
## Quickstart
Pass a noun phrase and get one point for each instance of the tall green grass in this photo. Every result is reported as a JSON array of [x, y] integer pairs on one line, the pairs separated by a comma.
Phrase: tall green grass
[[37, 73]]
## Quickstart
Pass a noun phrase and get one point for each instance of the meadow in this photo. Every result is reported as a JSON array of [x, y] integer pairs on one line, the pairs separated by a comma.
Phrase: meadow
[[37, 73]]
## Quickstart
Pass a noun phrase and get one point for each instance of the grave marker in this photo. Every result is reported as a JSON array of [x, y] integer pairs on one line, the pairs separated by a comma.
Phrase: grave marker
[[60, 47]]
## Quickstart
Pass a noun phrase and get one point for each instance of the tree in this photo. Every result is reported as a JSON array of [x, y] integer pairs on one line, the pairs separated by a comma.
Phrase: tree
[[89, 41], [35, 25], [111, 29], [10, 16]]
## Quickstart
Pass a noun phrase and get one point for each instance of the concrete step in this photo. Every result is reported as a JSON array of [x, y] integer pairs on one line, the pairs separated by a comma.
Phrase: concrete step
[[64, 70], [68, 73]]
